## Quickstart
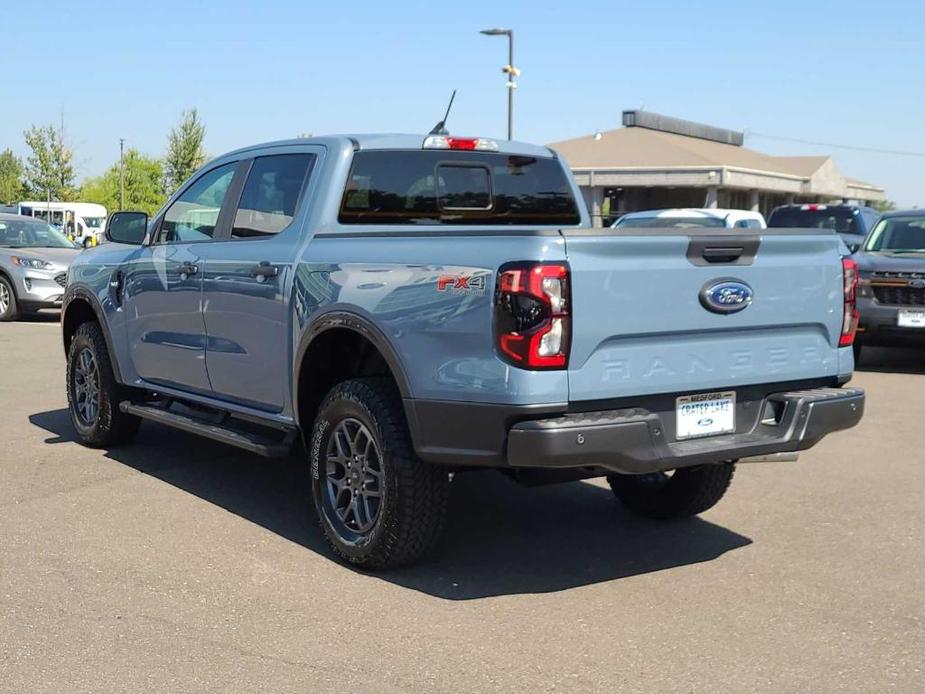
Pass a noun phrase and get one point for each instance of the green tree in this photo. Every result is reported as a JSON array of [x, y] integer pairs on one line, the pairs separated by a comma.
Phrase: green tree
[[49, 168], [11, 186], [883, 205], [184, 150], [144, 184]]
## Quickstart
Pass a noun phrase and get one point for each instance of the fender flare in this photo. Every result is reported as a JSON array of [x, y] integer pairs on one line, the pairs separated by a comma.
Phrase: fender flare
[[340, 319], [78, 292]]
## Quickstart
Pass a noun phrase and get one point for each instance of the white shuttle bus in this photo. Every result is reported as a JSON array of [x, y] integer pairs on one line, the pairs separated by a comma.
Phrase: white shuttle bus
[[83, 222]]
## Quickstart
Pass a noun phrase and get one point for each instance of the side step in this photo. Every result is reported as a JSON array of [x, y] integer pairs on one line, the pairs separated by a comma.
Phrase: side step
[[249, 441]]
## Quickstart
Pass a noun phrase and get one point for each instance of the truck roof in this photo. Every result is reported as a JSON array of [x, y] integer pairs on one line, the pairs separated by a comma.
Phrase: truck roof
[[396, 141]]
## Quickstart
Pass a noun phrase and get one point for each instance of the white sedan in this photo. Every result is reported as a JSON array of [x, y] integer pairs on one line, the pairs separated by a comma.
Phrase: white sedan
[[691, 217]]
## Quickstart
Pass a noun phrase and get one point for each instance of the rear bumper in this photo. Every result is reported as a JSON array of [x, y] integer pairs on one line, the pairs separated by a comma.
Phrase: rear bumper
[[638, 441]]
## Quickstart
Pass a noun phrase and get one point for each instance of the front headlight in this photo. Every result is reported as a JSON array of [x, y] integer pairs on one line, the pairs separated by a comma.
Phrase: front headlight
[[32, 263]]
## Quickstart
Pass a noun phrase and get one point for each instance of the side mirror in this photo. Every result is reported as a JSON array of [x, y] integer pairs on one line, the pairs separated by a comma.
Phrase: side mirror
[[127, 227]]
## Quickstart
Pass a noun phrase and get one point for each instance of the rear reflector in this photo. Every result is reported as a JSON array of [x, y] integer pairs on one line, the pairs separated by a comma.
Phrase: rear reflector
[[465, 143]]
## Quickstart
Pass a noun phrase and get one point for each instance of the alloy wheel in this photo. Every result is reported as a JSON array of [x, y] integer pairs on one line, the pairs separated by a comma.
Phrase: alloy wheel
[[353, 479], [87, 387], [4, 298]]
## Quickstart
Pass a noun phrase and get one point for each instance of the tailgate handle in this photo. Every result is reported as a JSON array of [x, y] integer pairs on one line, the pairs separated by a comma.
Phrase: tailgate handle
[[723, 250], [722, 255]]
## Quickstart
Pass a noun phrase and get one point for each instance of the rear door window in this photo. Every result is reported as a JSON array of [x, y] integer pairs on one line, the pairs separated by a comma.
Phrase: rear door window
[[271, 195], [456, 187]]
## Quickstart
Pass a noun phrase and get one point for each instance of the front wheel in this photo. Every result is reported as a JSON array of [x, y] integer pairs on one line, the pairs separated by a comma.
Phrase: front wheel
[[93, 395], [379, 505], [9, 309], [681, 493]]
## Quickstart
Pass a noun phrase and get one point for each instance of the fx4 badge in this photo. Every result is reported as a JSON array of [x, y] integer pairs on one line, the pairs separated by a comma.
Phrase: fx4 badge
[[461, 283]]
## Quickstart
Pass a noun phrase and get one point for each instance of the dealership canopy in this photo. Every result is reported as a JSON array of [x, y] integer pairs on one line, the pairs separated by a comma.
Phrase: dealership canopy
[[657, 161]]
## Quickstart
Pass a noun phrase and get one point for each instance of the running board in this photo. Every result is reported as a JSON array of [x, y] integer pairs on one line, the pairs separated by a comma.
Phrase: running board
[[249, 441]]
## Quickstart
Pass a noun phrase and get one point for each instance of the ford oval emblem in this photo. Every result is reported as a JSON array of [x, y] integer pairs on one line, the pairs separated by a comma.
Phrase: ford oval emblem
[[726, 296]]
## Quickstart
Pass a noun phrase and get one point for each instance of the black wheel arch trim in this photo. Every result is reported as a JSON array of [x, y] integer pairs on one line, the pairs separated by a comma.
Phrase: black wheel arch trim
[[78, 292], [341, 319]]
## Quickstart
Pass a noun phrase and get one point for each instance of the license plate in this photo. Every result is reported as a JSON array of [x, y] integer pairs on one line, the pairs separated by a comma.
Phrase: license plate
[[911, 319], [708, 414]]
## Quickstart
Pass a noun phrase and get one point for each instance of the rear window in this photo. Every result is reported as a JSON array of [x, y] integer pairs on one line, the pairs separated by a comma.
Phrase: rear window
[[842, 220], [455, 187], [668, 222]]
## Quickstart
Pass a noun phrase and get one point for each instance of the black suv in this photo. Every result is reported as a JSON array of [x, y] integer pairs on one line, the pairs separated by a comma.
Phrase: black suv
[[852, 222]]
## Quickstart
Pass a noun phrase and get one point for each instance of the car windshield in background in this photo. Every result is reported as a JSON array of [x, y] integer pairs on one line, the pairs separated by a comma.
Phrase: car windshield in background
[[898, 235], [94, 222], [30, 233], [455, 187], [669, 222], [844, 221]]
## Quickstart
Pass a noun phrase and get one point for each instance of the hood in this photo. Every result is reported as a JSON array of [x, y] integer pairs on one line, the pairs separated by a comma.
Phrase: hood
[[884, 261], [61, 257]]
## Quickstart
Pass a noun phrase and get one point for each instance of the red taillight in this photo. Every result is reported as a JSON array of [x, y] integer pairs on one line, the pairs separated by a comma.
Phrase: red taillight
[[533, 315], [850, 315]]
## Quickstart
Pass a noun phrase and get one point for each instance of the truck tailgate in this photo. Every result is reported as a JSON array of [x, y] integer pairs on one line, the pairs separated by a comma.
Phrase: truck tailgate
[[640, 326]]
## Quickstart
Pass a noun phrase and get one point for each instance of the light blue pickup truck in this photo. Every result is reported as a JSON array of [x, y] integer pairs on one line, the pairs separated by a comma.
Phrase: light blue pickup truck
[[399, 309]]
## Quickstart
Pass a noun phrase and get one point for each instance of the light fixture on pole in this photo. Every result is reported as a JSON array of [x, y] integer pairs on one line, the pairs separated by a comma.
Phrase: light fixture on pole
[[121, 174], [511, 72]]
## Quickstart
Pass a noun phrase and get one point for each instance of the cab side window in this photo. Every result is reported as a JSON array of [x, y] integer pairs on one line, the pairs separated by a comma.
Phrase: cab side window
[[271, 194], [193, 216]]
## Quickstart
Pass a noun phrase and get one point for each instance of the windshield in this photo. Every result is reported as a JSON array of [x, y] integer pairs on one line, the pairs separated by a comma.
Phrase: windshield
[[668, 222], [843, 219], [458, 187], [30, 233], [898, 235], [94, 222]]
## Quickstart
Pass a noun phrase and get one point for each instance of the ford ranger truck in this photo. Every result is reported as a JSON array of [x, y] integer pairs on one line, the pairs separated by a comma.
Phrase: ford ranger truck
[[398, 309]]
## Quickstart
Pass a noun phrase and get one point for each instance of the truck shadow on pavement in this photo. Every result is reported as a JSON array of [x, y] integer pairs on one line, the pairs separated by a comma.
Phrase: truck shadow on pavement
[[502, 539], [900, 360]]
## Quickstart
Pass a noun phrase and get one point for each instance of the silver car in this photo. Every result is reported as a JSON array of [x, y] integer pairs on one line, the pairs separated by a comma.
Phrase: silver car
[[34, 258]]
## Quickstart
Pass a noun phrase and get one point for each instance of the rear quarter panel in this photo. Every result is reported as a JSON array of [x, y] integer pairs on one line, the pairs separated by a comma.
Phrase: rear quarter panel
[[441, 333]]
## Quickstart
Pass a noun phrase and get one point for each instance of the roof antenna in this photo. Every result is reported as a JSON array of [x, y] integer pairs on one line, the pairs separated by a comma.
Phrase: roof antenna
[[440, 128]]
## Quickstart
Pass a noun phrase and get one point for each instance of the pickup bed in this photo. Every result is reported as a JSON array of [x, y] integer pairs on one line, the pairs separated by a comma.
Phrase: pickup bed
[[398, 309]]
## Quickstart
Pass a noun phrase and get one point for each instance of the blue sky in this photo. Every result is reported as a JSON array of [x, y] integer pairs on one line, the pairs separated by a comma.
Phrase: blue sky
[[842, 72]]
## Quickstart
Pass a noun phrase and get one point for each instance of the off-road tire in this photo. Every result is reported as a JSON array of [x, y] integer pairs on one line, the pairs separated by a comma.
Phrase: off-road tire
[[12, 311], [412, 509], [111, 426], [688, 492]]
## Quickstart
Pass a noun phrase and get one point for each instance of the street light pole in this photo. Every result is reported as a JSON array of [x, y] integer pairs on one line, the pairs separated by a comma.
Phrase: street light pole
[[511, 72], [121, 174]]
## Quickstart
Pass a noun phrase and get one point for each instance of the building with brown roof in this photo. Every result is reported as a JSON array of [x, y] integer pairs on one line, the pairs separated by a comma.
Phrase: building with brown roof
[[656, 162]]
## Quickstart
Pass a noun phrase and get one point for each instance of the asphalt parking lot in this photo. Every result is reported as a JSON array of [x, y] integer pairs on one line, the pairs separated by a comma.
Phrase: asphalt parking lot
[[177, 564]]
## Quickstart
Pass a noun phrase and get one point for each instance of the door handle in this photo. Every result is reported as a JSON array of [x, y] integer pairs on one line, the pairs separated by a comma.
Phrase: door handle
[[187, 270], [264, 270], [116, 287]]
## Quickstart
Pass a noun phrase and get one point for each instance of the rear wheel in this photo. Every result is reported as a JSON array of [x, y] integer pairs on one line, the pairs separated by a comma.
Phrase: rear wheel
[[9, 308], [684, 492], [379, 505], [93, 395]]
